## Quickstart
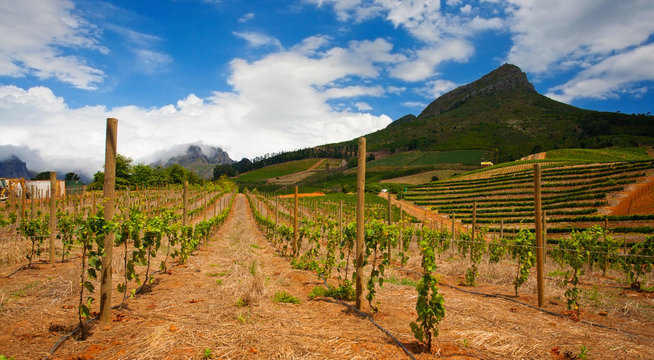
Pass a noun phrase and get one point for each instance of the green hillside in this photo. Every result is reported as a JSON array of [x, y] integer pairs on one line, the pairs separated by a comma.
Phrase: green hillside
[[427, 158], [276, 170], [502, 112], [600, 155]]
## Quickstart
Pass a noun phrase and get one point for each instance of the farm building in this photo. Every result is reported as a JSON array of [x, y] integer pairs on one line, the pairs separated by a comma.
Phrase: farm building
[[40, 188], [486, 163]]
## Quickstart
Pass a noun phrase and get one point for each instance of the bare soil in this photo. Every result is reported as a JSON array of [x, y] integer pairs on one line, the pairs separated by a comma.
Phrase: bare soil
[[220, 302]]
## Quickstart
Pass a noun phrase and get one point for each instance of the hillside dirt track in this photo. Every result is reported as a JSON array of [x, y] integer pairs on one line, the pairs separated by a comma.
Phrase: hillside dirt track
[[193, 308]]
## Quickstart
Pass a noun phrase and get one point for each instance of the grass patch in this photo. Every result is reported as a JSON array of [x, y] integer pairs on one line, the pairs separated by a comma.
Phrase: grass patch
[[556, 273], [427, 158], [284, 297], [405, 282], [241, 302], [255, 246], [600, 155], [277, 170], [344, 291], [23, 291], [219, 273]]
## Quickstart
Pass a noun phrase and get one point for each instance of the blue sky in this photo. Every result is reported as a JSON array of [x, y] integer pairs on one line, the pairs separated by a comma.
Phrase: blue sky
[[256, 77]]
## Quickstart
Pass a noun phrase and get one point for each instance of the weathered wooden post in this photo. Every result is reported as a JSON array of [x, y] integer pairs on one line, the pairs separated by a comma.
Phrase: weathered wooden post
[[33, 203], [452, 242], [340, 221], [276, 218], [502, 228], [545, 232], [295, 223], [540, 261], [23, 198], [361, 188], [474, 225], [205, 205], [185, 204], [53, 215], [390, 220], [109, 197]]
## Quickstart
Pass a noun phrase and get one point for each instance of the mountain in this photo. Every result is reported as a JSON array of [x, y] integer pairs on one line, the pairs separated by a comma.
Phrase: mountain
[[503, 112], [13, 167], [195, 159]]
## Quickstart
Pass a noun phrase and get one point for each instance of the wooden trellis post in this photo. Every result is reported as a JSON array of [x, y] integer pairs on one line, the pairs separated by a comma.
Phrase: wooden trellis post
[[540, 261], [361, 187], [106, 285], [185, 204], [53, 215], [295, 222]]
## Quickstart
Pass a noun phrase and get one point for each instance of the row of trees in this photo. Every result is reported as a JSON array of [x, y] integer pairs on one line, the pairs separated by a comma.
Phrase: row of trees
[[128, 175], [341, 151]]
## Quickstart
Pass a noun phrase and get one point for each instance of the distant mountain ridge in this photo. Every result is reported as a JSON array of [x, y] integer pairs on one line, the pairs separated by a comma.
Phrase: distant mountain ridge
[[504, 78], [13, 167], [195, 159], [502, 112]]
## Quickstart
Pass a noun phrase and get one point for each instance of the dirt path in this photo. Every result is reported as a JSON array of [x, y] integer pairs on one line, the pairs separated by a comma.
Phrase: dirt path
[[536, 156], [193, 310], [637, 199], [315, 165], [295, 177], [422, 214]]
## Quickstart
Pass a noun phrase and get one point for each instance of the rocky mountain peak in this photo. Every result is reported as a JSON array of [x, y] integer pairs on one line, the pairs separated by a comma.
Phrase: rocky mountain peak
[[505, 78], [13, 167]]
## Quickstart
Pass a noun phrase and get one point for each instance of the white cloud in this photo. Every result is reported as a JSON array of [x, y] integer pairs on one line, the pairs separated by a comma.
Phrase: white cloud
[[354, 91], [356, 10], [362, 106], [414, 104], [258, 40], [396, 89], [611, 77], [245, 18], [444, 34], [548, 33], [152, 62], [424, 63], [279, 102], [37, 37], [436, 88]]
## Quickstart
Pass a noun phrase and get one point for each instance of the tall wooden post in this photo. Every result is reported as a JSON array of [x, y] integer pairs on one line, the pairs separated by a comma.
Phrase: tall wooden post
[[23, 196], [53, 215], [502, 228], [400, 242], [109, 198], [544, 219], [33, 203], [295, 223], [340, 221], [453, 221], [185, 204], [474, 227], [390, 218], [276, 218], [390, 222], [361, 188], [540, 261]]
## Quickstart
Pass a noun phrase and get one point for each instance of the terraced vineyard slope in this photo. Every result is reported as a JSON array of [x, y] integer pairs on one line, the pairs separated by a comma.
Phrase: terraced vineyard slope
[[574, 197]]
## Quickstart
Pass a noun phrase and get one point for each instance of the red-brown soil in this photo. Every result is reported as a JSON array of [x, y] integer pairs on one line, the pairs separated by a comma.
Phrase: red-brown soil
[[193, 309], [640, 200]]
